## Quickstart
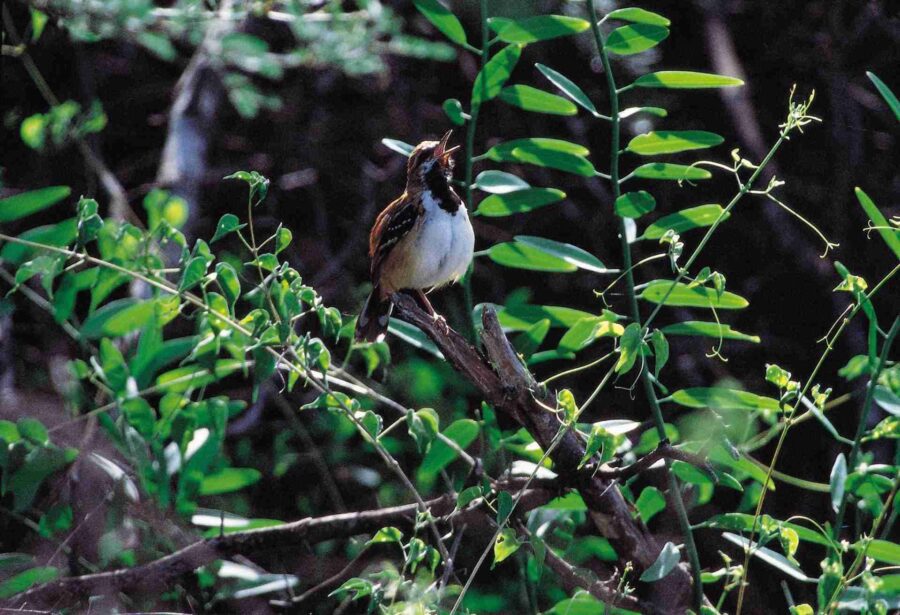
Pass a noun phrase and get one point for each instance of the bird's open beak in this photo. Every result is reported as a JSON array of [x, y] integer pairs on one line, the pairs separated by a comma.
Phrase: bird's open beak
[[442, 152]]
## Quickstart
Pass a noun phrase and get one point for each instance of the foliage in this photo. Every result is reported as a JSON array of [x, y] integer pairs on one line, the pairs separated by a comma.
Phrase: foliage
[[163, 338]]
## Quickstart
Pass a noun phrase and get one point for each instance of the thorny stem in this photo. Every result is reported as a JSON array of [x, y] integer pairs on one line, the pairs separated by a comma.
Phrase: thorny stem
[[684, 523]]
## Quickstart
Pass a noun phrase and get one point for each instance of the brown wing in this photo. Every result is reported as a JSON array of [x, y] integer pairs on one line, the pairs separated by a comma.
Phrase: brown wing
[[391, 225]]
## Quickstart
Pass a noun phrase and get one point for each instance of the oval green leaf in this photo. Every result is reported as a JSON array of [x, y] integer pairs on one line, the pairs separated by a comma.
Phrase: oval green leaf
[[61, 234], [498, 182], [565, 251], [637, 15], [672, 142], [521, 201], [629, 40], [722, 399], [685, 296], [586, 331], [669, 171], [33, 201], [521, 256], [494, 75], [890, 234], [453, 109], [463, 432], [442, 19], [567, 87], [686, 219], [685, 80], [229, 480], [635, 204], [708, 329], [537, 101], [561, 161], [503, 152], [665, 563], [657, 111], [522, 316], [540, 28], [118, 318]]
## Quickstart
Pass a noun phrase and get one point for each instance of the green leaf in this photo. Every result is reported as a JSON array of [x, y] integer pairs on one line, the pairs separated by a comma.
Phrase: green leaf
[[504, 507], [522, 256], [229, 480], [531, 338], [565, 251], [498, 182], [139, 415], [629, 348], [228, 281], [637, 15], [463, 432], [883, 550], [505, 151], [507, 544], [719, 398], [521, 201], [581, 604], [657, 111], [442, 19], [686, 219], [635, 38], [398, 146], [540, 28], [522, 316], [837, 481], [567, 87], [496, 72], [586, 331], [769, 556], [118, 318], [22, 581], [660, 351], [33, 430], [682, 79], [61, 234], [33, 201], [562, 161], [227, 224], [888, 232], [454, 110], [665, 563], [672, 141], [283, 237], [667, 170], [386, 535], [635, 204], [158, 45], [708, 329], [886, 93], [684, 295], [413, 336], [535, 100], [649, 503]]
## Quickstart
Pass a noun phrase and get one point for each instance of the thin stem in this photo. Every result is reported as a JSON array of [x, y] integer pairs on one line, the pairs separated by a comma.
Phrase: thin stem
[[853, 458], [683, 521]]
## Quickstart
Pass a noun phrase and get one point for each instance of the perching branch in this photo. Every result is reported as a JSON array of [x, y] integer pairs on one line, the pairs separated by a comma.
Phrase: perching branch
[[506, 384], [159, 575]]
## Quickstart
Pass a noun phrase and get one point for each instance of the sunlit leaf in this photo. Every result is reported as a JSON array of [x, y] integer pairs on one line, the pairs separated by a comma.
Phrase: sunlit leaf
[[496, 72], [33, 201], [118, 318], [629, 348], [638, 15], [679, 79], [538, 101], [635, 204], [635, 38], [708, 329], [720, 398], [586, 331], [453, 108], [507, 544], [665, 563], [539, 28], [521, 201], [672, 141], [522, 256], [683, 295], [657, 111], [769, 556], [567, 87], [562, 161], [503, 152], [522, 316], [667, 170], [442, 19], [888, 232], [889, 97], [686, 219], [499, 182], [837, 481], [566, 251], [228, 480]]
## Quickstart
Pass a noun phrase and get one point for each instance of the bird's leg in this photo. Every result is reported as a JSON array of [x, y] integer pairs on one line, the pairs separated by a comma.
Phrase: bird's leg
[[426, 305]]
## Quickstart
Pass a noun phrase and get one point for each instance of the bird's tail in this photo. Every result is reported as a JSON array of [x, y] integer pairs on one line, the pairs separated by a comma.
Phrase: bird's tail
[[372, 324]]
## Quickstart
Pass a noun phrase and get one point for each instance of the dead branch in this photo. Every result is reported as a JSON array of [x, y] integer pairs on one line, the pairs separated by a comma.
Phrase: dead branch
[[505, 383]]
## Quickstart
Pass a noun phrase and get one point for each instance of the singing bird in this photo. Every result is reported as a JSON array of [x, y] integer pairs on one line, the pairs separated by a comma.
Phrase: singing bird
[[419, 242]]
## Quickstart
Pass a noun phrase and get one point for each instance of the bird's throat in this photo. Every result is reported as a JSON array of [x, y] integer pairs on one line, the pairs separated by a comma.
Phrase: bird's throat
[[437, 183]]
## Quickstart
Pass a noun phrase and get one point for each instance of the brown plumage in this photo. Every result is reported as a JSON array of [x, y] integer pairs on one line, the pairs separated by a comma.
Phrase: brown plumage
[[420, 241]]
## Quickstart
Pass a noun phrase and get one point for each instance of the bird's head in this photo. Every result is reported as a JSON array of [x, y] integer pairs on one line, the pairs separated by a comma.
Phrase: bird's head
[[431, 161]]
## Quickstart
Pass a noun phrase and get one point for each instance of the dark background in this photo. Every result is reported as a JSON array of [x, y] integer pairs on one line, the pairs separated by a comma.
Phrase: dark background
[[330, 176]]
